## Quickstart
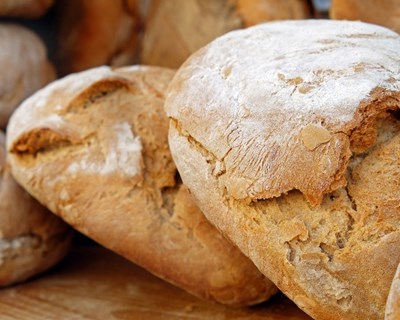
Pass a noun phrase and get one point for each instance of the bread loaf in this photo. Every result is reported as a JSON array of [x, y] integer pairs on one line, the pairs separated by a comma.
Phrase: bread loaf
[[382, 12], [175, 29], [24, 8], [96, 32], [287, 134], [31, 238], [93, 148], [25, 67]]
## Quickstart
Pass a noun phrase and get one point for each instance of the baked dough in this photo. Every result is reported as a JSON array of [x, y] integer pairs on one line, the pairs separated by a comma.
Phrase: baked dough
[[175, 29], [24, 8], [93, 148], [25, 67], [31, 238], [382, 12], [287, 136], [96, 32]]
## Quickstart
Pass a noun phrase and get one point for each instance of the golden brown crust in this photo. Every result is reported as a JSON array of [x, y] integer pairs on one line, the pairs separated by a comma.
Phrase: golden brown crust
[[24, 71], [24, 8], [31, 238], [245, 108], [383, 12], [96, 32], [95, 151], [331, 259], [176, 29]]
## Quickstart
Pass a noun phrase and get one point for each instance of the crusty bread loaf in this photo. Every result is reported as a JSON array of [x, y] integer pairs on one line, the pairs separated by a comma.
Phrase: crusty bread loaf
[[96, 32], [287, 136], [382, 12], [392, 311], [93, 148], [175, 29], [24, 8], [31, 238], [25, 67]]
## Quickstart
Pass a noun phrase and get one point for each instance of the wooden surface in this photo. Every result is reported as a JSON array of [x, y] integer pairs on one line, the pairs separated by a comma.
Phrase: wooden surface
[[93, 283]]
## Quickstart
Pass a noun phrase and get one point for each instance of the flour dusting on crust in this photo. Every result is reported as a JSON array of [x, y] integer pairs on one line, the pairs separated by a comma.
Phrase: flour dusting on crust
[[125, 156], [247, 97]]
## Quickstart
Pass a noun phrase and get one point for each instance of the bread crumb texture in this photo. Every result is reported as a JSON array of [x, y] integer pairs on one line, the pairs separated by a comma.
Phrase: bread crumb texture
[[294, 155], [93, 148]]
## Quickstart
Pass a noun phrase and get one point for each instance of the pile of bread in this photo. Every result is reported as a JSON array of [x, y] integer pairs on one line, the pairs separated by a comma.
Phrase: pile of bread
[[269, 160]]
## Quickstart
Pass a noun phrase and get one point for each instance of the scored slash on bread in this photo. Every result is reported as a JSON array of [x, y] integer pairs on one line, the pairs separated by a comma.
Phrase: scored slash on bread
[[93, 148], [287, 136]]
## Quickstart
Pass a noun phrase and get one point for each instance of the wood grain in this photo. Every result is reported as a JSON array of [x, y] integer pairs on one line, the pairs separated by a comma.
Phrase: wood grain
[[93, 283]]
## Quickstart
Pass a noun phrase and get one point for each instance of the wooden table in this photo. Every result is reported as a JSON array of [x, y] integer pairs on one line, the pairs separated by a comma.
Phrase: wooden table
[[93, 283]]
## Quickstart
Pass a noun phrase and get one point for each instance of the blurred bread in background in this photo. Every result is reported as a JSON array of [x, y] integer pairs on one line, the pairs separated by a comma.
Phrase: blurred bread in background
[[175, 29], [24, 67], [383, 12], [96, 32], [157, 32], [24, 8]]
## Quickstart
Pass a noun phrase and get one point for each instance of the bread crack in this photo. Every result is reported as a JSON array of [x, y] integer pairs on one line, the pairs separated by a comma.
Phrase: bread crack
[[352, 200], [209, 156]]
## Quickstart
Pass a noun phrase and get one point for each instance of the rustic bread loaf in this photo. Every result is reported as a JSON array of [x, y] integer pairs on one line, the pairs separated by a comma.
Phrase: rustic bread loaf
[[25, 67], [24, 8], [96, 32], [175, 29], [392, 311], [93, 148], [31, 238], [288, 137], [382, 12]]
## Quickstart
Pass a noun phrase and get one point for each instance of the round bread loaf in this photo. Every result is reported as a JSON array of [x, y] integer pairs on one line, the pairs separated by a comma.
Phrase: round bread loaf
[[24, 8], [31, 238], [96, 32], [25, 67], [287, 134], [93, 148], [392, 311], [175, 29]]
